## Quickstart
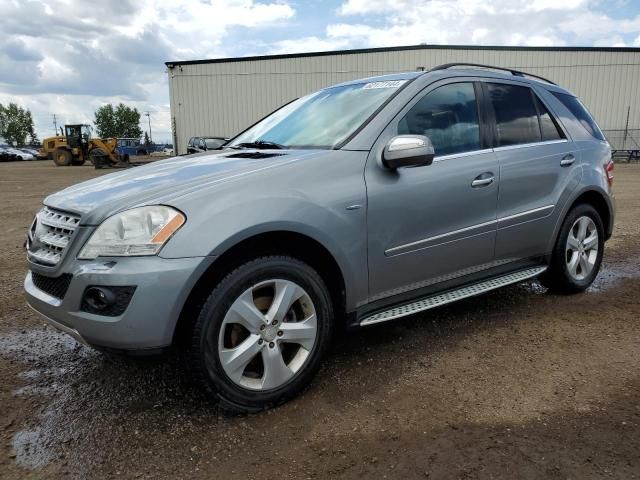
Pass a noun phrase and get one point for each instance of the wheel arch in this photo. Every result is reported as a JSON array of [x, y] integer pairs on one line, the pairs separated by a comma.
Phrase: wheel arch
[[599, 200], [279, 242]]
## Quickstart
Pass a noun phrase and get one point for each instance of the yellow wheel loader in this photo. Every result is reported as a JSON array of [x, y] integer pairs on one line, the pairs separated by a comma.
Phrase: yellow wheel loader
[[76, 146]]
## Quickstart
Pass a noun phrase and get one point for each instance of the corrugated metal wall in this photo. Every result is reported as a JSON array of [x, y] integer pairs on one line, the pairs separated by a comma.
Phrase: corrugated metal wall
[[223, 98]]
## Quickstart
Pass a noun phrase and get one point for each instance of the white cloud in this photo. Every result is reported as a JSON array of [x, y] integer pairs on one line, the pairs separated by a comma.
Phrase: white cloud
[[500, 22], [70, 56]]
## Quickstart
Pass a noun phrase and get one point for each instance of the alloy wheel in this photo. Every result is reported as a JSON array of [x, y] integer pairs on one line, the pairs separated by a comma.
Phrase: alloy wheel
[[581, 251], [267, 334]]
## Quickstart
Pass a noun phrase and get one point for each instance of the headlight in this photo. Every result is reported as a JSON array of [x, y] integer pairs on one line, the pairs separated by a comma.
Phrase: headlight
[[139, 231]]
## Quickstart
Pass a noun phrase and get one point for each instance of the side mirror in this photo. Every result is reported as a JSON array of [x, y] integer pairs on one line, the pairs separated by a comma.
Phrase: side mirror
[[408, 151]]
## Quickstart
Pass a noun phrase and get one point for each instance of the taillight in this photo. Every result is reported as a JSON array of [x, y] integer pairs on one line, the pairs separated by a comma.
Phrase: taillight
[[609, 173]]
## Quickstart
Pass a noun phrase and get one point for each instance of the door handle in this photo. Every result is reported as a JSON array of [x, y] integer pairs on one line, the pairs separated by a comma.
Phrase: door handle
[[567, 160], [482, 180]]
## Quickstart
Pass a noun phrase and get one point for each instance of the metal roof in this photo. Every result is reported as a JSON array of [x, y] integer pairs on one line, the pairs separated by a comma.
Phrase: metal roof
[[170, 64]]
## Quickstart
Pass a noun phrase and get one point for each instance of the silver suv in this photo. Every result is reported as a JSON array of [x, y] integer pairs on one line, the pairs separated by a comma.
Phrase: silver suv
[[358, 204]]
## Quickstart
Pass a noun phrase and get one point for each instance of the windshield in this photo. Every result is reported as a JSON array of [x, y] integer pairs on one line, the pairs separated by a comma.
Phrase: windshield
[[320, 120], [213, 143]]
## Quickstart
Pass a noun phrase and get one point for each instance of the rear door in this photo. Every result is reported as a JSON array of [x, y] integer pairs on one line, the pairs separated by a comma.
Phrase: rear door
[[539, 167]]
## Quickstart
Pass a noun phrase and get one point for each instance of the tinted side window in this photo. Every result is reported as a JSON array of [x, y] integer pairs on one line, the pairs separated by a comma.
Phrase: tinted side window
[[580, 112], [516, 115], [447, 115], [550, 130]]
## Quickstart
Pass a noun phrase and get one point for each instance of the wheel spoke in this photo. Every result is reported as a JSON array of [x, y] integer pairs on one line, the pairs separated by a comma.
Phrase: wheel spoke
[[235, 360], [584, 265], [303, 333], [583, 223], [276, 372], [573, 263], [572, 242], [591, 241], [286, 294], [244, 312]]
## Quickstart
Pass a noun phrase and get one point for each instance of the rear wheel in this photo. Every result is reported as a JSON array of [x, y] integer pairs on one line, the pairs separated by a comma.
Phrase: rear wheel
[[261, 334], [577, 256], [62, 157]]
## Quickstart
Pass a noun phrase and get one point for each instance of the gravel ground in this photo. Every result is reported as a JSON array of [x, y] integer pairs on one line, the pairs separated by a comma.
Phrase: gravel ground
[[517, 383]]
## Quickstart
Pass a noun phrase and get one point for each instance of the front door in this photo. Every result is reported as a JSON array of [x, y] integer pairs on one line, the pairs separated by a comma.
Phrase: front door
[[433, 223]]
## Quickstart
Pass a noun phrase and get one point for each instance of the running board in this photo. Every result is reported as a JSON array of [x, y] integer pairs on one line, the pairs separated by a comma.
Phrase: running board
[[428, 303]]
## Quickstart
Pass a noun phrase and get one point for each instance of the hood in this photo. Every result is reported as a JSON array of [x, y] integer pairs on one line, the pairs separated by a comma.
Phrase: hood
[[162, 181]]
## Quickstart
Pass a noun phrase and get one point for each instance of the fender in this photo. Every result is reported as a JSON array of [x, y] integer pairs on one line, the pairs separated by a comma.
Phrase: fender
[[577, 193]]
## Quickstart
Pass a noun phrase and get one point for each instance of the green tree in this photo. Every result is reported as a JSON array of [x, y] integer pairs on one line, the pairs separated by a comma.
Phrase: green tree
[[146, 139], [121, 121], [16, 124]]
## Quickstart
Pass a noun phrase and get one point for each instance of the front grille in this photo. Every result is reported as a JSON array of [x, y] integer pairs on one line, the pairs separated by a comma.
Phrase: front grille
[[50, 234], [54, 286]]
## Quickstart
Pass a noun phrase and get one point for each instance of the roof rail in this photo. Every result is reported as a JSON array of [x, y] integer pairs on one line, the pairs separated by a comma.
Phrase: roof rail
[[516, 73]]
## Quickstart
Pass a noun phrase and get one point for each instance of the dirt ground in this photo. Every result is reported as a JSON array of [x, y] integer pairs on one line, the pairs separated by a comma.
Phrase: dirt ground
[[517, 383]]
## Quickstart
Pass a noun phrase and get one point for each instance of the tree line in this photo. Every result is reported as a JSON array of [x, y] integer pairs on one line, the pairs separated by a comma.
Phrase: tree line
[[17, 128], [16, 125]]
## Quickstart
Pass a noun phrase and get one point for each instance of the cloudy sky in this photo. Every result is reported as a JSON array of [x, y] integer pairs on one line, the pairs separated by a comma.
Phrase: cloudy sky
[[68, 57]]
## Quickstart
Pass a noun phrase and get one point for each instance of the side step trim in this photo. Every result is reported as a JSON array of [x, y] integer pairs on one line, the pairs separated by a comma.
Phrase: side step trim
[[434, 301]]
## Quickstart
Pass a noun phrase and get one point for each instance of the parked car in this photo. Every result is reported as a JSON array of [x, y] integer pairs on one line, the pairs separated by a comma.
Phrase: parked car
[[5, 156], [25, 154], [203, 144], [359, 204], [167, 150], [31, 151], [129, 147], [9, 154]]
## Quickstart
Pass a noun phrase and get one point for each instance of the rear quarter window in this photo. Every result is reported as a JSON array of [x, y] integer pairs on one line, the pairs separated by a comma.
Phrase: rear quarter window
[[574, 105]]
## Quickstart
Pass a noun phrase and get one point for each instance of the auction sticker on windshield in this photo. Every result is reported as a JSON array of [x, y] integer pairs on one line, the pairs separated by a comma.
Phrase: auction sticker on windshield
[[387, 84]]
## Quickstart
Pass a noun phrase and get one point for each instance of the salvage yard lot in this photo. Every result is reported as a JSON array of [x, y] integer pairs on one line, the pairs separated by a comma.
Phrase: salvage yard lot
[[517, 383]]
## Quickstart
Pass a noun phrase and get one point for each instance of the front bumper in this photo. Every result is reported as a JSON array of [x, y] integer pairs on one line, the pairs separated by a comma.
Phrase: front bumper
[[162, 287]]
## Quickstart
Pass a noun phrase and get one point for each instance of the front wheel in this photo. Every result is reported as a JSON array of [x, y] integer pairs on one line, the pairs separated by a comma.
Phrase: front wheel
[[62, 157], [577, 256], [261, 335]]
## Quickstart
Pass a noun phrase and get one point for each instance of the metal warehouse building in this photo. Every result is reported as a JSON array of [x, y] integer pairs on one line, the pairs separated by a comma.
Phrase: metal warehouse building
[[222, 97]]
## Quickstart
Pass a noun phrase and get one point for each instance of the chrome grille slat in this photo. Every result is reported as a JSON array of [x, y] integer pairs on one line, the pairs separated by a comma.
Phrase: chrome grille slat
[[50, 235], [59, 240]]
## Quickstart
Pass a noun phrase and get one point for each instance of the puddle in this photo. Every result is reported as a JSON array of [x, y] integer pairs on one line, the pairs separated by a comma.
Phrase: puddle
[[609, 276], [86, 396], [612, 273], [44, 350]]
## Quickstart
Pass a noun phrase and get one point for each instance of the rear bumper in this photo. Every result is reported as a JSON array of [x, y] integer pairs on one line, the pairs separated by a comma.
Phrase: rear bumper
[[149, 320]]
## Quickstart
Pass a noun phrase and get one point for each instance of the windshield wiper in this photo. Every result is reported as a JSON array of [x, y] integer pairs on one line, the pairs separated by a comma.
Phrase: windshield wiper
[[260, 144]]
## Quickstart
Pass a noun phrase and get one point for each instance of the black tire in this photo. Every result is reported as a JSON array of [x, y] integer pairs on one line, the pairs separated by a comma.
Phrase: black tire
[[557, 277], [203, 359], [62, 157], [99, 158]]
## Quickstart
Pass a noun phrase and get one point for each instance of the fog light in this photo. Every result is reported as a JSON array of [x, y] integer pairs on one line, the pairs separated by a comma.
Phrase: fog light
[[108, 301], [99, 298]]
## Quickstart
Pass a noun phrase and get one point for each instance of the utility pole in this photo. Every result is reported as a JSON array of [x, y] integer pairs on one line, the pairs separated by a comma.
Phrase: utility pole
[[55, 124], [149, 118]]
